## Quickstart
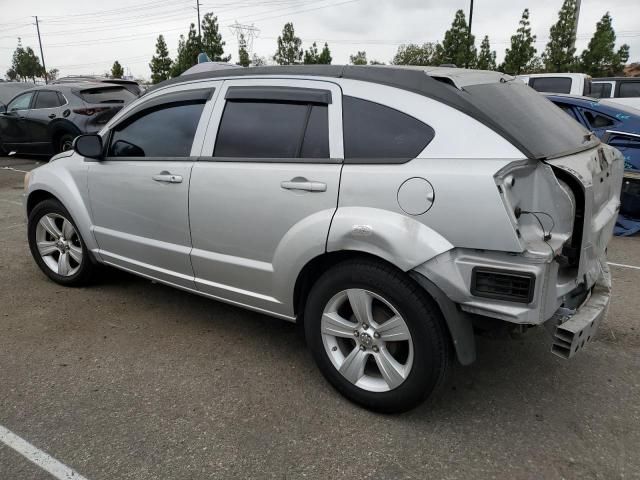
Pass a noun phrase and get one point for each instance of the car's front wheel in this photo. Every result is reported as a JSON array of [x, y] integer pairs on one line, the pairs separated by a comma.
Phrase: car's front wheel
[[376, 336], [56, 245]]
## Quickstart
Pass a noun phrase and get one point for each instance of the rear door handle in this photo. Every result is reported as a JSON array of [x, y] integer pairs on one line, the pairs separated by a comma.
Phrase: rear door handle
[[304, 185], [166, 177], [53, 115]]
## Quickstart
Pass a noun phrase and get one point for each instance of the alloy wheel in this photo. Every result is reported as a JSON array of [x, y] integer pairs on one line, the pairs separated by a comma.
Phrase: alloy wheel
[[59, 244], [367, 340]]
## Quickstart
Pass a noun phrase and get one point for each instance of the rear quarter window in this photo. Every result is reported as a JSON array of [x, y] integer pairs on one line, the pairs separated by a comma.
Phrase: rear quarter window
[[374, 131], [107, 95]]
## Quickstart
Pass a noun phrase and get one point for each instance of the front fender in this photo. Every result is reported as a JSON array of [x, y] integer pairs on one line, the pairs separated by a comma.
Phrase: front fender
[[400, 240], [67, 179]]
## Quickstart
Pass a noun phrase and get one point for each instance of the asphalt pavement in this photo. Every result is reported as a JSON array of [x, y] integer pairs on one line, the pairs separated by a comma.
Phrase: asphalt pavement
[[128, 379]]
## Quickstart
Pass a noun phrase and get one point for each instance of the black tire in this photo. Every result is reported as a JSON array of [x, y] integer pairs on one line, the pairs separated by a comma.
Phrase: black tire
[[86, 268], [64, 143], [431, 344]]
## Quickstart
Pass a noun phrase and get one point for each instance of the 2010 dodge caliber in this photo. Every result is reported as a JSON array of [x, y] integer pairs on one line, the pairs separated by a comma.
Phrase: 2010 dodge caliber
[[388, 209]]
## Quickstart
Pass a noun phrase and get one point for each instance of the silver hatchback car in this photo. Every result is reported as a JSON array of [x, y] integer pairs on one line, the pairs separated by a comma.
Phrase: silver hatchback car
[[390, 210]]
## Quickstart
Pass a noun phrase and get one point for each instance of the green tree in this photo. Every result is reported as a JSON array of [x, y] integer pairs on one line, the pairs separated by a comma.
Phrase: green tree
[[486, 57], [116, 70], [289, 47], [53, 74], [212, 43], [325, 55], [12, 75], [560, 51], [600, 59], [359, 58], [25, 64], [311, 56], [160, 63], [243, 54], [188, 50], [414, 54], [458, 47], [522, 51], [375, 62]]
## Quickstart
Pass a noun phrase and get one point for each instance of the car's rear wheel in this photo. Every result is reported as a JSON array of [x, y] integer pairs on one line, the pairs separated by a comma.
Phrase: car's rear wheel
[[65, 142], [56, 245], [376, 336]]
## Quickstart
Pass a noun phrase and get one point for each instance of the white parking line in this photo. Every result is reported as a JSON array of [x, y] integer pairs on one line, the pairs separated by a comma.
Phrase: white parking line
[[10, 201], [40, 458], [15, 169], [623, 265]]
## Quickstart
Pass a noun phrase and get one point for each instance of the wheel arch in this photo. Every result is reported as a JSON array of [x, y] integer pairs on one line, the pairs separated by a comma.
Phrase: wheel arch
[[458, 324], [60, 127]]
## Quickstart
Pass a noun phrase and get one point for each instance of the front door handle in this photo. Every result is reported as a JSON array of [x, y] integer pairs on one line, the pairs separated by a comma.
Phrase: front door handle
[[303, 184], [53, 115], [166, 177]]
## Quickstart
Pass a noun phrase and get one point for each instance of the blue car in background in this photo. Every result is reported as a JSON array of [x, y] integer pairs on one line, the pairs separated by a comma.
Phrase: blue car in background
[[615, 124], [619, 126]]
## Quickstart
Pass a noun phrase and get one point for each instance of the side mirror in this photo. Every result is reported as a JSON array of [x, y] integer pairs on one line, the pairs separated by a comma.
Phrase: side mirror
[[3, 108], [89, 146]]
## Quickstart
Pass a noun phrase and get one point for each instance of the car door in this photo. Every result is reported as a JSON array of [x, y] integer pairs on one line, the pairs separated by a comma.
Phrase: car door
[[14, 133], [264, 189], [45, 109], [139, 191]]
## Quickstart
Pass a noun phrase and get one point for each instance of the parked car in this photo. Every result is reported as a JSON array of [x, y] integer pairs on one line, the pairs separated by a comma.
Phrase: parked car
[[45, 120], [617, 125], [131, 85], [602, 116], [571, 83], [387, 209], [624, 90]]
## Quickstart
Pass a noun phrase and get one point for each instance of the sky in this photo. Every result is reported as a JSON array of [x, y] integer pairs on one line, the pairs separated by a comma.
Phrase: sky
[[86, 36]]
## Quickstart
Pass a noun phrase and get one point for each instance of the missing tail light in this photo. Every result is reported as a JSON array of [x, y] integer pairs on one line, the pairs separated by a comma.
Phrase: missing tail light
[[503, 284]]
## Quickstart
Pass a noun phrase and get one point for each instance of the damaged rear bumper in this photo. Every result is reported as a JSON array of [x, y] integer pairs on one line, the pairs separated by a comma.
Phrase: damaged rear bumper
[[572, 329]]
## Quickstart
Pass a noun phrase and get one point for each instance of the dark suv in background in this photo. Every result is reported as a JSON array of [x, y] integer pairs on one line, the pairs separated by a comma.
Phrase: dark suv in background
[[45, 120]]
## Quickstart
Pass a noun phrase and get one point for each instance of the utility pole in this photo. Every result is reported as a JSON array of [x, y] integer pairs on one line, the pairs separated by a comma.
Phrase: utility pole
[[575, 27], [46, 80], [198, 8], [469, 32]]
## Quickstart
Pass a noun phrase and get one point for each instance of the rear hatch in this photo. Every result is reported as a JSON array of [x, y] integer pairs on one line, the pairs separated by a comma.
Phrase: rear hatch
[[103, 102]]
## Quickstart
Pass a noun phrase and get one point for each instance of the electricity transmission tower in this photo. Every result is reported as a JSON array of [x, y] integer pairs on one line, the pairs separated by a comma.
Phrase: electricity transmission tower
[[250, 32]]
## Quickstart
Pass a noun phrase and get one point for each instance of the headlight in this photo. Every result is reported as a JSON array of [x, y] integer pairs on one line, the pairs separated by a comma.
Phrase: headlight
[[27, 176]]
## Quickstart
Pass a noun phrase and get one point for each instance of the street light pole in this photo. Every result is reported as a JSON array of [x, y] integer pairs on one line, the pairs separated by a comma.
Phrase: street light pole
[[575, 27], [198, 7], [46, 80]]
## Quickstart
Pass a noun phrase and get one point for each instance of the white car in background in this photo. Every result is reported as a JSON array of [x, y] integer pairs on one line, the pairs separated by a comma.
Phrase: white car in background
[[568, 83], [623, 90]]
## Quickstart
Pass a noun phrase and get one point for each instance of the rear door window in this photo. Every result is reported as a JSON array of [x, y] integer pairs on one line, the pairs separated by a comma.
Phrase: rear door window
[[569, 110], [107, 95], [166, 130], [273, 129], [551, 84], [372, 130], [47, 99], [629, 89]]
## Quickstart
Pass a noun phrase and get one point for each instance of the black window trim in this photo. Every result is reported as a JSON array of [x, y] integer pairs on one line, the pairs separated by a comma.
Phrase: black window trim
[[280, 94], [582, 110], [303, 101]]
